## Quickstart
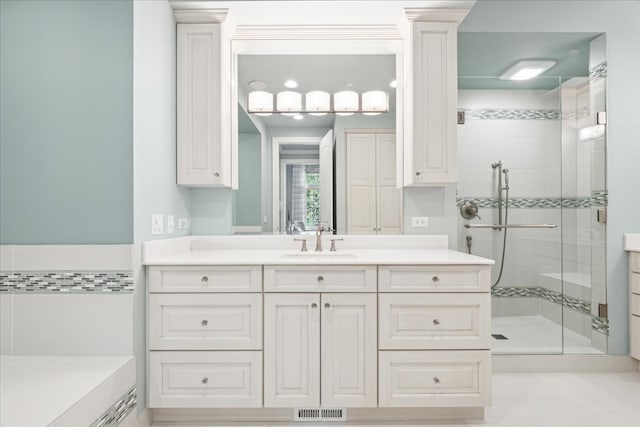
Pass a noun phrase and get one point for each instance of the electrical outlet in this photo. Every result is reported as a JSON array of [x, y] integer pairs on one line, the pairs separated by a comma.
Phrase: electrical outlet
[[419, 221], [157, 224], [171, 225], [183, 223]]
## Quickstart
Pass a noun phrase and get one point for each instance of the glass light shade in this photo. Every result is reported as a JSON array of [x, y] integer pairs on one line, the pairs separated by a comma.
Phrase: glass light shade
[[375, 102], [318, 103], [289, 102], [345, 102], [260, 102]]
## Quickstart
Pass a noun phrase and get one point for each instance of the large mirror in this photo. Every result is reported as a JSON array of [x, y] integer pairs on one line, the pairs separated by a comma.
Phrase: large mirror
[[298, 170]]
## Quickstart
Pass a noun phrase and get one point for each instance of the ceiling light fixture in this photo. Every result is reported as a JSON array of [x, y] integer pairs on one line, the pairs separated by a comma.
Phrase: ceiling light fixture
[[291, 84], [257, 84], [393, 84], [525, 70]]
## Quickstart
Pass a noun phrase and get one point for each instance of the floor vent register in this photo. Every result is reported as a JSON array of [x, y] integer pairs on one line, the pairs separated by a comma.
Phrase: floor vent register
[[320, 414]]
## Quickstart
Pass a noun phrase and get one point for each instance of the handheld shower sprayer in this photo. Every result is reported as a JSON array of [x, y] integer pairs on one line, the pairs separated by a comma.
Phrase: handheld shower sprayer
[[506, 179]]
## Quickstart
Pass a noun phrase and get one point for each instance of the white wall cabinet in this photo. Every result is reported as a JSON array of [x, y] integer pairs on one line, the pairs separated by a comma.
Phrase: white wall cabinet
[[203, 158], [294, 356], [430, 144], [374, 203]]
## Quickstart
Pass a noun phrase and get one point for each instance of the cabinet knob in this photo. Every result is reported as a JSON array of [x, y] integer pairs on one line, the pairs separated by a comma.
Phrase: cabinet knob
[[320, 279], [205, 279], [436, 380], [327, 305], [314, 305], [216, 174], [205, 322], [435, 279], [418, 173], [436, 322], [205, 380]]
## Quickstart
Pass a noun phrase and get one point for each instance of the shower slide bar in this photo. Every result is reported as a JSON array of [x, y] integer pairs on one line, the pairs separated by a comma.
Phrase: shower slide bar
[[496, 226]]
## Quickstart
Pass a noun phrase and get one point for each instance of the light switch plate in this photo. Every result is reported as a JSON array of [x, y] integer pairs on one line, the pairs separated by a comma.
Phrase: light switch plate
[[156, 224], [183, 223], [171, 225], [419, 221]]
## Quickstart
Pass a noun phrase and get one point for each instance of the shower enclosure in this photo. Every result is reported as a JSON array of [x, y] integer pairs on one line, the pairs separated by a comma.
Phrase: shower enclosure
[[532, 159]]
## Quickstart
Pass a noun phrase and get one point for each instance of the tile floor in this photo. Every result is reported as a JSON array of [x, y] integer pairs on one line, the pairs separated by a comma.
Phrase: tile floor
[[542, 400], [536, 335]]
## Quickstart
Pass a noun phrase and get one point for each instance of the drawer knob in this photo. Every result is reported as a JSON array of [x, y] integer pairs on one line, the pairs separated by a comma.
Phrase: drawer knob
[[436, 380], [205, 380], [435, 279], [205, 279], [320, 279], [436, 322], [216, 174], [418, 173], [205, 322], [327, 305], [314, 305]]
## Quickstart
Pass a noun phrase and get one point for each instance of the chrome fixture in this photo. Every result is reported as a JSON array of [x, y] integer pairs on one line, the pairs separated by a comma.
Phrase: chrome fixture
[[503, 226], [498, 165], [304, 244], [469, 210], [469, 240], [319, 231], [333, 243]]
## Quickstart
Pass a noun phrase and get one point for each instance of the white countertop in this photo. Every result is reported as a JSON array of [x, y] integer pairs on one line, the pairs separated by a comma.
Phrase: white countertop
[[38, 390], [342, 257], [632, 242]]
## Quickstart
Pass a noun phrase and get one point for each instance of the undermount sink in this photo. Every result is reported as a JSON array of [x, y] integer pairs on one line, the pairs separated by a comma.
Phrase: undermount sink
[[320, 255]]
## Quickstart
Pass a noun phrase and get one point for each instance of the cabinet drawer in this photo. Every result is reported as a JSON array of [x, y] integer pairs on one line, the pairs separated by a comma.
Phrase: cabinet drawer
[[205, 322], [634, 283], [634, 262], [320, 279], [205, 379], [635, 304], [434, 378], [434, 321], [634, 334], [434, 279], [205, 279]]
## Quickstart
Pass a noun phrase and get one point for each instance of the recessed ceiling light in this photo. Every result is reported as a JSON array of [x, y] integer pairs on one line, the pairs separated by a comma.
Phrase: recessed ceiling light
[[257, 84], [525, 70], [298, 117], [394, 83], [291, 84]]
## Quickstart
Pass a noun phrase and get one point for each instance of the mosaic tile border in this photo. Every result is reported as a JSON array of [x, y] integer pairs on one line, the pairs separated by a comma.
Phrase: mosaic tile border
[[530, 202], [37, 282], [598, 71], [597, 323], [599, 198], [119, 410], [511, 114]]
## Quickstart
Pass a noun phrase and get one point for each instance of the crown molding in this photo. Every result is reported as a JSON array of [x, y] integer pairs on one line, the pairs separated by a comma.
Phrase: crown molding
[[199, 16], [436, 14], [317, 32]]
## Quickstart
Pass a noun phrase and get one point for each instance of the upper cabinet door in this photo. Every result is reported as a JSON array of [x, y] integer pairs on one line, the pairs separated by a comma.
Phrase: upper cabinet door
[[202, 158], [431, 157]]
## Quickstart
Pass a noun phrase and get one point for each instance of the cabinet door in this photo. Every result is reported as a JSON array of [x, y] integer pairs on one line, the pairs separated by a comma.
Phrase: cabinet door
[[349, 347], [361, 184], [291, 350], [201, 160], [430, 154], [389, 200]]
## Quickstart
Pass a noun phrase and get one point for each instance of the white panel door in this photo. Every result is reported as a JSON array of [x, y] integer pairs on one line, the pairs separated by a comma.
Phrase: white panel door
[[200, 158], [349, 350], [291, 350], [326, 179], [361, 184], [389, 198]]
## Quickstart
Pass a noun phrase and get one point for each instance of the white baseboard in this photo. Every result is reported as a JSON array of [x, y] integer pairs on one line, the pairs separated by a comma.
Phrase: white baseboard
[[503, 364], [145, 417]]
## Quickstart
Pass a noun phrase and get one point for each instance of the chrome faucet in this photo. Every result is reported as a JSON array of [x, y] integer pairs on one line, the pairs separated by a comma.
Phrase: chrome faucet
[[319, 231]]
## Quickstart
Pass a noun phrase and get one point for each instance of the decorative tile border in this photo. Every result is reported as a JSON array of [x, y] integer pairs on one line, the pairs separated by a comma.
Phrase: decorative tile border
[[25, 282], [119, 410], [599, 198], [598, 71], [529, 202], [510, 114], [597, 323]]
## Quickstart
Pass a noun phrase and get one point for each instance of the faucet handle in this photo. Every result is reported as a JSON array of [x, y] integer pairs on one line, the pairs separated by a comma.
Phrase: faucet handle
[[304, 244], [333, 243]]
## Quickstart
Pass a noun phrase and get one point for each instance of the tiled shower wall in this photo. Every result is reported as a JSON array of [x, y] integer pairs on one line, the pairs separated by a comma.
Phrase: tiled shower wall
[[536, 140]]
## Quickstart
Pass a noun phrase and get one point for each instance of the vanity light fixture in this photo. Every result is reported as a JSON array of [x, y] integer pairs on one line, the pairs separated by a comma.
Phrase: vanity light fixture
[[318, 103], [346, 102], [525, 70], [261, 103], [288, 102], [374, 102]]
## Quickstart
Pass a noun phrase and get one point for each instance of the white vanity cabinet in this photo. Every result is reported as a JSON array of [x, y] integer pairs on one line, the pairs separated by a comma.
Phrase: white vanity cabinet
[[634, 304], [203, 158]]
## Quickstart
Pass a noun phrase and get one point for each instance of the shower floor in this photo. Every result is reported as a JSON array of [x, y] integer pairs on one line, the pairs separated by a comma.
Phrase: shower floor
[[536, 335]]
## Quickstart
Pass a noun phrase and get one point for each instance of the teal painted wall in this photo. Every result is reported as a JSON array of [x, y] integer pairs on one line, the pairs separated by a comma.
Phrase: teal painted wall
[[66, 140], [620, 20], [247, 206]]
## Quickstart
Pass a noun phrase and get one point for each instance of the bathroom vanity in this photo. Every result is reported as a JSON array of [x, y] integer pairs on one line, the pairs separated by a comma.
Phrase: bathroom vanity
[[632, 245], [404, 323]]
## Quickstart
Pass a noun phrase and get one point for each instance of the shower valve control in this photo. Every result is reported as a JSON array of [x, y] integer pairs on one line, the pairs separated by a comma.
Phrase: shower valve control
[[469, 210]]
